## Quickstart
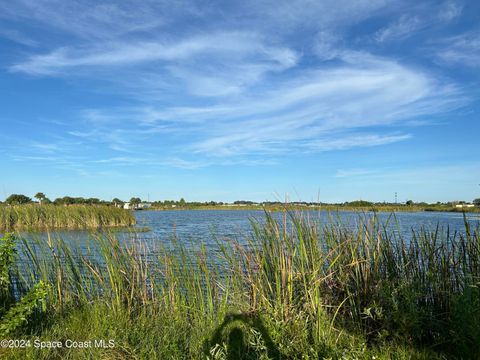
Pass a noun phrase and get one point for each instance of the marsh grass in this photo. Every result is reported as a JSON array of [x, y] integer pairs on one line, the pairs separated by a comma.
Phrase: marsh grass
[[296, 289], [49, 217]]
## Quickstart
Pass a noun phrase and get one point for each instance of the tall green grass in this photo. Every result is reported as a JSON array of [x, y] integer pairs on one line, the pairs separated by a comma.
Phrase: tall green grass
[[296, 289], [47, 217]]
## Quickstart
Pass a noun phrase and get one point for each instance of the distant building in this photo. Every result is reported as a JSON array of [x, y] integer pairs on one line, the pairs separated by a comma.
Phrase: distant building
[[140, 206], [464, 206]]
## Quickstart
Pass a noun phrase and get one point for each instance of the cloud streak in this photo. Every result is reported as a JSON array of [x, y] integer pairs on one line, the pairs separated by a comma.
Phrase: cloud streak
[[463, 49], [398, 30], [229, 45], [410, 24], [355, 104]]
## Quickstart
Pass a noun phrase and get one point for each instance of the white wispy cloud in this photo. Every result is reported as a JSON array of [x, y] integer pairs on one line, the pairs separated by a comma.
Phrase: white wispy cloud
[[355, 172], [359, 140], [450, 10], [418, 19], [323, 103], [328, 46], [233, 44], [400, 29], [116, 139], [87, 19], [120, 160], [316, 110], [236, 60], [18, 37], [463, 49], [289, 15], [45, 147]]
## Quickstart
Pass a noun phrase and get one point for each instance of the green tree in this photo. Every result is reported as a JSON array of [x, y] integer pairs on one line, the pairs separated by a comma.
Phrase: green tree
[[359, 203], [117, 202], [18, 199], [409, 202], [66, 200], [135, 201], [92, 201], [40, 197], [476, 202]]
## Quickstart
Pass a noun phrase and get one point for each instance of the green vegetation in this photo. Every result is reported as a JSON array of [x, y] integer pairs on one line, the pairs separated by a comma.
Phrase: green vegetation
[[357, 205], [48, 217], [295, 290], [68, 200], [277, 206], [40, 197], [135, 201], [360, 205], [20, 199], [17, 199], [117, 202], [13, 314]]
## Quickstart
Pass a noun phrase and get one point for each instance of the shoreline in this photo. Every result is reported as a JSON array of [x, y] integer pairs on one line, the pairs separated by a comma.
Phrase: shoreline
[[287, 207]]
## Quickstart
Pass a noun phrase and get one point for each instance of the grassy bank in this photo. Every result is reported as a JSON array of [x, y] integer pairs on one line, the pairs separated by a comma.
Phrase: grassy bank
[[294, 290], [47, 217]]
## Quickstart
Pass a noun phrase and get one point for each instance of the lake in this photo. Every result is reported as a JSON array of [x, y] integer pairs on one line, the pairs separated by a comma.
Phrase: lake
[[211, 227], [206, 227], [203, 226]]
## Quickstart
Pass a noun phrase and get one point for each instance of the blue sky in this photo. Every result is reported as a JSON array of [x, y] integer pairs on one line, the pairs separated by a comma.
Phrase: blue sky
[[259, 100]]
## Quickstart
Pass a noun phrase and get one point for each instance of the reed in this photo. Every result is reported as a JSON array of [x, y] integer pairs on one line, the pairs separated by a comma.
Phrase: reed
[[293, 289], [49, 217]]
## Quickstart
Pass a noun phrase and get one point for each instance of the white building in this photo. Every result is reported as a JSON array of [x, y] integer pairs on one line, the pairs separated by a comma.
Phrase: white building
[[144, 206], [464, 206], [140, 206]]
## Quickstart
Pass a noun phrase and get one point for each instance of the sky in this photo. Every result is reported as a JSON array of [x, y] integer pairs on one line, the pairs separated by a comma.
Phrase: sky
[[241, 100]]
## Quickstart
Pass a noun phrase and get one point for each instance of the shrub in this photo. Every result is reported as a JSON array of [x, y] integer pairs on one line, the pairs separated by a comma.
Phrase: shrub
[[15, 313]]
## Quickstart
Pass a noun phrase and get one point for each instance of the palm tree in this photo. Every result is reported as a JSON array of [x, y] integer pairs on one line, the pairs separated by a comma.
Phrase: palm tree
[[40, 196], [134, 202]]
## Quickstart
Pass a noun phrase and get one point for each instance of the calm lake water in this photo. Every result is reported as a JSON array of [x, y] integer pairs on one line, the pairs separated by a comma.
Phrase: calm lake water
[[209, 226], [198, 224], [205, 227]]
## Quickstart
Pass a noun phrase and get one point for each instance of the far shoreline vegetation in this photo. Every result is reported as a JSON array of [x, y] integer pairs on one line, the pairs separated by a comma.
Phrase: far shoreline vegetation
[[135, 203]]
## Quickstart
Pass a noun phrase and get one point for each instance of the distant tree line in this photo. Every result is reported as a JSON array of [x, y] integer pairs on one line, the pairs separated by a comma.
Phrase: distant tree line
[[20, 199]]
